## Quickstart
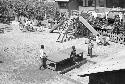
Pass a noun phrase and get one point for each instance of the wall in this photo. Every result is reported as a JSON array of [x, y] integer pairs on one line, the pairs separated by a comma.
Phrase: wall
[[73, 5], [115, 3], [92, 8]]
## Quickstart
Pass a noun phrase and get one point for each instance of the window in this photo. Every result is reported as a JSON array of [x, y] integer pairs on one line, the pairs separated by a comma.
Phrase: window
[[80, 2], [89, 3], [62, 4]]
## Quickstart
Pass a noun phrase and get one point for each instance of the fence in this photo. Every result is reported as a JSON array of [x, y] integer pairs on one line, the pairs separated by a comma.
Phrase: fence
[[117, 38]]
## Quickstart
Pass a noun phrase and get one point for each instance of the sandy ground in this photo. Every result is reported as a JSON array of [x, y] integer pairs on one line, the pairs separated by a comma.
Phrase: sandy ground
[[19, 53]]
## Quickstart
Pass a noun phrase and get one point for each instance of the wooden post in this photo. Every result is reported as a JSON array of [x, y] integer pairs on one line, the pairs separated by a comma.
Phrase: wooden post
[[111, 36], [118, 38], [95, 5], [124, 39], [124, 21], [103, 32], [114, 37], [55, 66], [100, 32], [121, 39]]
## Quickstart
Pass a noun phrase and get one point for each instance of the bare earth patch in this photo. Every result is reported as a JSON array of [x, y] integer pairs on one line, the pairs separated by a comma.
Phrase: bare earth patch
[[19, 54]]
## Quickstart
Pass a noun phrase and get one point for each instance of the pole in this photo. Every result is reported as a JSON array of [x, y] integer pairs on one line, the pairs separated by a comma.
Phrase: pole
[[124, 21], [95, 4], [85, 3]]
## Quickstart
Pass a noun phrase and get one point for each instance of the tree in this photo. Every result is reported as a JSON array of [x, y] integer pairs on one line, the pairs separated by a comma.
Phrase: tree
[[27, 8]]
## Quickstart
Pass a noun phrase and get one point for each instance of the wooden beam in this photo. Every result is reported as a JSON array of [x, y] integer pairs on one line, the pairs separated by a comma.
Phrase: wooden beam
[[74, 66]]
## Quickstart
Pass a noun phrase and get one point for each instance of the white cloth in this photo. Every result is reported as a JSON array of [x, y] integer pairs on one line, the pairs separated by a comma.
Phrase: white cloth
[[42, 54], [107, 39], [86, 41]]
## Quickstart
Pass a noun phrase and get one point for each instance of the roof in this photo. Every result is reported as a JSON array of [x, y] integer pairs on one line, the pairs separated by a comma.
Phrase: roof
[[61, 0], [115, 62]]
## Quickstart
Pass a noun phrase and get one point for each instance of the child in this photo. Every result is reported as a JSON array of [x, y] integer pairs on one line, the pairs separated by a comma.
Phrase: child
[[73, 53], [106, 41], [43, 57], [90, 46]]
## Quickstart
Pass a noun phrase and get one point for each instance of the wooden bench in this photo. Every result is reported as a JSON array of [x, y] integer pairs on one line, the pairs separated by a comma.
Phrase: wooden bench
[[66, 65]]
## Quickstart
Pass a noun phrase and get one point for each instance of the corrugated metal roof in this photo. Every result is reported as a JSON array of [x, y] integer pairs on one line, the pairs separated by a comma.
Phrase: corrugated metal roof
[[61, 0]]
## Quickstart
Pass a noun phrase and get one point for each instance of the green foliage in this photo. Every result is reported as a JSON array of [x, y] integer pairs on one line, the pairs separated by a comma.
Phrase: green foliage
[[28, 8]]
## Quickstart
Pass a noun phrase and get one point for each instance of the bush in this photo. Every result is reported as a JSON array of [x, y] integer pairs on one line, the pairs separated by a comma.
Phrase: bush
[[27, 8]]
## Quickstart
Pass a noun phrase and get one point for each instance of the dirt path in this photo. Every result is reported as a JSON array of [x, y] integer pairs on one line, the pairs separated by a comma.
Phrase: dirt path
[[19, 52]]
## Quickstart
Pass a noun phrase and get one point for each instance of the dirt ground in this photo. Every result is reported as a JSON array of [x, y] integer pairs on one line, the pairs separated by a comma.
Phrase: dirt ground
[[20, 57]]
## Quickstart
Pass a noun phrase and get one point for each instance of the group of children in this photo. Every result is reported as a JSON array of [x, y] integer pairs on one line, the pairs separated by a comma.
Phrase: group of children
[[73, 54]]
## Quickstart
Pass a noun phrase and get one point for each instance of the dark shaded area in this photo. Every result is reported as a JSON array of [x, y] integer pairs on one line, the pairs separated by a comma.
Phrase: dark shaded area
[[64, 64], [68, 64], [108, 77]]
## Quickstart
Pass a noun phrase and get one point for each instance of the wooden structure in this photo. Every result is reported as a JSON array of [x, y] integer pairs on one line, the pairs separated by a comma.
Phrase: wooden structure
[[117, 38], [62, 63], [56, 26], [77, 29]]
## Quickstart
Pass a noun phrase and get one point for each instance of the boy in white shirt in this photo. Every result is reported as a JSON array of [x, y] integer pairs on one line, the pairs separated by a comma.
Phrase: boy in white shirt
[[43, 57], [90, 47], [98, 39]]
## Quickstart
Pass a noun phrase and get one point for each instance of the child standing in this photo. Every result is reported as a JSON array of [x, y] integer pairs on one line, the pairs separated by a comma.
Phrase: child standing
[[98, 39], [90, 46], [73, 53], [43, 57]]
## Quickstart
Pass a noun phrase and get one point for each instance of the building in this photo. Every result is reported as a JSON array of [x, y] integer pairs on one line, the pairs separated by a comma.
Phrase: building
[[69, 5], [103, 3]]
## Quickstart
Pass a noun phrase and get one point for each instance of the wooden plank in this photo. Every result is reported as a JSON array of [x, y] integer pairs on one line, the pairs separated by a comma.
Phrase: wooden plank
[[119, 38], [115, 38], [56, 26], [123, 39], [88, 25], [68, 79], [74, 66]]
